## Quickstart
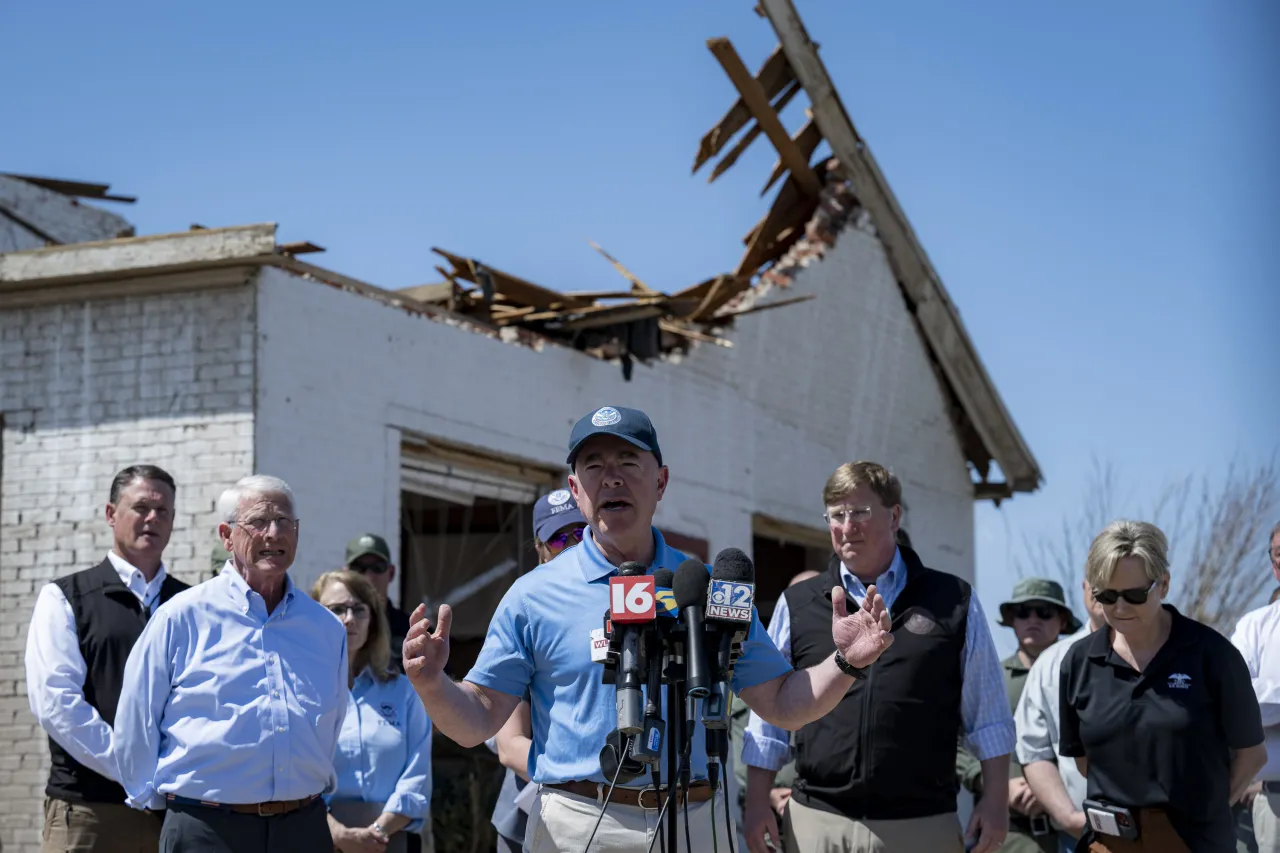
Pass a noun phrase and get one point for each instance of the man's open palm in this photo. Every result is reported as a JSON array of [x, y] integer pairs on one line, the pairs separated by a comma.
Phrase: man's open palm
[[863, 635], [426, 651]]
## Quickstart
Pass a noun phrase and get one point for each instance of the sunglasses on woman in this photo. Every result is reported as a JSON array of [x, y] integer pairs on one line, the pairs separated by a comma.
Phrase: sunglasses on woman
[[564, 538], [1136, 595]]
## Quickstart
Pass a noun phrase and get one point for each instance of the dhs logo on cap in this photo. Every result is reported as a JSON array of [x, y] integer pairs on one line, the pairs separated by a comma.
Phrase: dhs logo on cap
[[559, 497], [608, 416]]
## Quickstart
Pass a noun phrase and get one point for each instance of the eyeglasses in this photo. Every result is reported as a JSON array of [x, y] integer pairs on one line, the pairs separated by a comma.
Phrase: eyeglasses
[[1136, 595], [1041, 611], [378, 567], [842, 516], [284, 524], [360, 611], [561, 539]]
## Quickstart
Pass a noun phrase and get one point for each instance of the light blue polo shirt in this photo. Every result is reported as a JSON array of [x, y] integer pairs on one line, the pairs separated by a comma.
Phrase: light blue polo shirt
[[540, 641]]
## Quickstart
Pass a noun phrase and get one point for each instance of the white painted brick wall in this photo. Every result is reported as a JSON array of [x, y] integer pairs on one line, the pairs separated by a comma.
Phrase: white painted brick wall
[[755, 428], [85, 390]]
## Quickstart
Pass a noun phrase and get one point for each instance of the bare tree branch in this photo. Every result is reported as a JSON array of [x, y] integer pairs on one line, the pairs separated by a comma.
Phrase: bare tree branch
[[1216, 527]]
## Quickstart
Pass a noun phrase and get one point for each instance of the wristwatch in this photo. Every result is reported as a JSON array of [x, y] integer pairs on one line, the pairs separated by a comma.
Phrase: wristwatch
[[848, 668], [381, 833]]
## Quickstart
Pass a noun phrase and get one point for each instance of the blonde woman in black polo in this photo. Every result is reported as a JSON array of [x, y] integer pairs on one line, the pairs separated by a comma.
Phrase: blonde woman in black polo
[[1157, 709]]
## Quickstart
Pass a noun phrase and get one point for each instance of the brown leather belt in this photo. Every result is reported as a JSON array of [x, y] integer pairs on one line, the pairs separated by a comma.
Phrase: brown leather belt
[[645, 798], [271, 809]]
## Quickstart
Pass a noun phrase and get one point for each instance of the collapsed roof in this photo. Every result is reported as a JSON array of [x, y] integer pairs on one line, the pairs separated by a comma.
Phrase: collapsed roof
[[815, 200]]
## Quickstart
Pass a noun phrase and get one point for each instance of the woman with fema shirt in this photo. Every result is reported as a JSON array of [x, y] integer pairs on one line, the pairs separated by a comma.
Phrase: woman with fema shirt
[[383, 760]]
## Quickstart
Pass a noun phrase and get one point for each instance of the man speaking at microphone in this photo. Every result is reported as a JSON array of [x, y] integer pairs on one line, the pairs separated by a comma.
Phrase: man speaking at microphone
[[540, 642]]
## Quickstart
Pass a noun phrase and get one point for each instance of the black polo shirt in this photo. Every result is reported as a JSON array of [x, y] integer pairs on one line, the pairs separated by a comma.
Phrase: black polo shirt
[[1163, 738]]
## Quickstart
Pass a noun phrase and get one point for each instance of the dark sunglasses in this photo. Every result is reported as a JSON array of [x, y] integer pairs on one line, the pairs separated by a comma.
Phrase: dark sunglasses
[[377, 567], [1043, 611], [1136, 595], [561, 539]]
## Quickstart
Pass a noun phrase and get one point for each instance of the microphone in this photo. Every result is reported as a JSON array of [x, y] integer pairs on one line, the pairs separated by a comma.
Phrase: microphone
[[691, 597], [631, 611], [730, 599], [648, 747]]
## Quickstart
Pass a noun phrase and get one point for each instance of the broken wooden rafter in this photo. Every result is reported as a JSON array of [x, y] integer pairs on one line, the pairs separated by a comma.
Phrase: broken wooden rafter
[[435, 294], [774, 76], [637, 286], [677, 329], [299, 247], [757, 101], [791, 210], [729, 316], [727, 161], [512, 287], [807, 140]]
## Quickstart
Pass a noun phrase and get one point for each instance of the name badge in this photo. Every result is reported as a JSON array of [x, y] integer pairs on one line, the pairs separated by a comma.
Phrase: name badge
[[599, 646]]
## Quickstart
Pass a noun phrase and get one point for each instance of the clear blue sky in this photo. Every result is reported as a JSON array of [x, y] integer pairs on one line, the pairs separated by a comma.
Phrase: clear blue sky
[[1095, 182]]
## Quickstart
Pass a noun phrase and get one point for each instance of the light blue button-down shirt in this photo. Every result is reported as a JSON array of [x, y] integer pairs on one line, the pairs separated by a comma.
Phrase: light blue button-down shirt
[[384, 750], [984, 704], [226, 703], [540, 641]]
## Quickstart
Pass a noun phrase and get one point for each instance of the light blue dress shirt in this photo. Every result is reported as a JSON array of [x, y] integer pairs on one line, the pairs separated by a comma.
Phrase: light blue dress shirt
[[226, 703], [384, 750], [984, 703], [540, 641]]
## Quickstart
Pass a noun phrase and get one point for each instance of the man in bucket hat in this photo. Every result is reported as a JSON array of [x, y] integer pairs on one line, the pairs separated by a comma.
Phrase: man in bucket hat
[[1038, 614]]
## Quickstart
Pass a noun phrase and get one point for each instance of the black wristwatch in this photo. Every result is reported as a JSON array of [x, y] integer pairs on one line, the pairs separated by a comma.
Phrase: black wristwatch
[[848, 668]]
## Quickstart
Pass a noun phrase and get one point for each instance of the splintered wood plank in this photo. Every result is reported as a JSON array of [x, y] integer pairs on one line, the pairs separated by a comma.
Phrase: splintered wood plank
[[791, 209], [751, 135], [676, 329], [757, 101], [807, 140], [774, 76], [756, 309], [512, 287], [434, 293], [636, 284]]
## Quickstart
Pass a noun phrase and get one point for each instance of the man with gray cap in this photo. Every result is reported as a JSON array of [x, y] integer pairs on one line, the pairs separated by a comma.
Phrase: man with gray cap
[[1038, 614], [368, 554], [540, 644]]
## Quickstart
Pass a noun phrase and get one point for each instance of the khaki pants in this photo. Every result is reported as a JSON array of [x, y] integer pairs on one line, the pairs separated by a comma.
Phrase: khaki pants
[[560, 822], [98, 828], [1266, 824], [811, 830]]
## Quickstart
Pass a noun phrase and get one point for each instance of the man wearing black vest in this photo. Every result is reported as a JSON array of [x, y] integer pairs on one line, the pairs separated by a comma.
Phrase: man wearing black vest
[[82, 630], [878, 772]]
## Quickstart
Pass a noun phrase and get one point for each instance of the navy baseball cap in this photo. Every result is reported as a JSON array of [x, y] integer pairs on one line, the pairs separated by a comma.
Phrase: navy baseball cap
[[553, 511], [630, 425]]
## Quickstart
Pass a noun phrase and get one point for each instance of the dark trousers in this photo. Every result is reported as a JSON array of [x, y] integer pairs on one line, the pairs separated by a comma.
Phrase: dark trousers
[[197, 829]]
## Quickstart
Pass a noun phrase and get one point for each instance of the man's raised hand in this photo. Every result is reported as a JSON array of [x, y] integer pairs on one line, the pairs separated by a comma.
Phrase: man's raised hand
[[863, 635], [426, 651]]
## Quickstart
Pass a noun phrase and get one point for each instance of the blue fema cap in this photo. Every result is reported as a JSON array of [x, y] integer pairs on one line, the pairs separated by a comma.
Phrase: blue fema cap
[[553, 511], [630, 425]]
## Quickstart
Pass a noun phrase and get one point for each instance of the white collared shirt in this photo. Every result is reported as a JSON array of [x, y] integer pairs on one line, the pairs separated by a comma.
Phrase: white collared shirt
[[1257, 636], [1036, 717], [56, 671]]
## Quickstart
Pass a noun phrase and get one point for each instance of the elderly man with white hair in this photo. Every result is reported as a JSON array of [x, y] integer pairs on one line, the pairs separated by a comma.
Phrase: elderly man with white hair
[[235, 695]]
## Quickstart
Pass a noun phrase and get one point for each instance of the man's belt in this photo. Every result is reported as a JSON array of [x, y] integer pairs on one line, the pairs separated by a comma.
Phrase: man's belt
[[271, 809], [645, 798]]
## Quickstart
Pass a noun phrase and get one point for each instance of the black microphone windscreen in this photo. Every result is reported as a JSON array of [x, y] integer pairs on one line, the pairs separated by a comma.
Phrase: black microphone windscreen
[[664, 578], [690, 585], [631, 568], [733, 565]]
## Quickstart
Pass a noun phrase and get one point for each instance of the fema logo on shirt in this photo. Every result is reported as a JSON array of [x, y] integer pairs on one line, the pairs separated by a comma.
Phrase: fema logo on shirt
[[388, 712], [559, 497], [608, 416]]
